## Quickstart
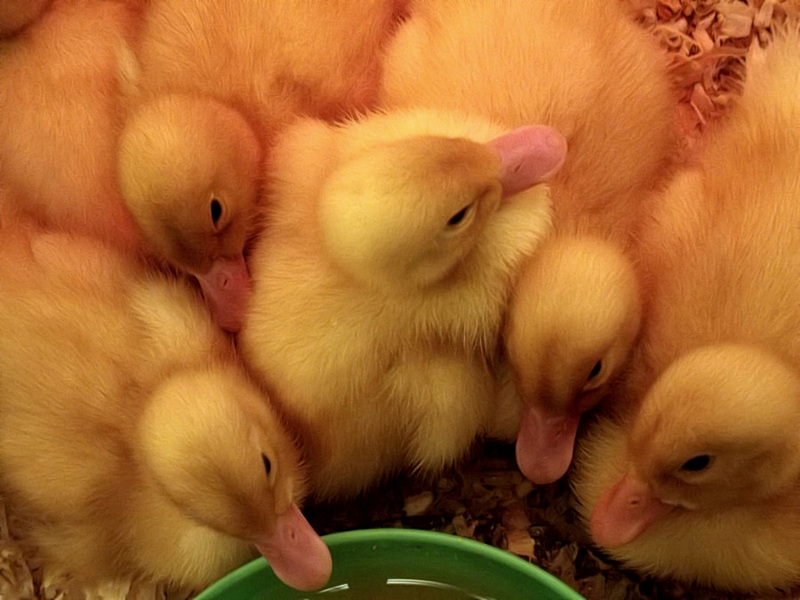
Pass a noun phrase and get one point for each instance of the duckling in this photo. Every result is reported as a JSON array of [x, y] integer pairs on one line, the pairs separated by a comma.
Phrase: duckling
[[708, 461], [215, 81], [188, 171], [563, 342], [539, 61], [718, 253], [15, 15], [59, 110], [380, 280], [62, 71], [132, 445]]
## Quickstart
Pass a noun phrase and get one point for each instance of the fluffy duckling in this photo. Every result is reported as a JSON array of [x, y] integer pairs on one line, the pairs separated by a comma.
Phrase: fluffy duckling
[[709, 460], [132, 445], [189, 171], [60, 112], [64, 79], [233, 73], [539, 61], [15, 15], [381, 280], [718, 252], [702, 485], [577, 352]]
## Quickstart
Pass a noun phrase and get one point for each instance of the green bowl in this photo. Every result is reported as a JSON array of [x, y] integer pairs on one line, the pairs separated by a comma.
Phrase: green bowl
[[396, 564]]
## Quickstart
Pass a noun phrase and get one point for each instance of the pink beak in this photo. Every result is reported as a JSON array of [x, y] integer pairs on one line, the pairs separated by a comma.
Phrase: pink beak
[[297, 555], [545, 444], [226, 288], [625, 511], [529, 155]]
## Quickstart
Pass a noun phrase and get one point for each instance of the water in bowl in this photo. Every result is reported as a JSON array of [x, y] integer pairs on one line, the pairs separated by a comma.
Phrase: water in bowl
[[398, 589]]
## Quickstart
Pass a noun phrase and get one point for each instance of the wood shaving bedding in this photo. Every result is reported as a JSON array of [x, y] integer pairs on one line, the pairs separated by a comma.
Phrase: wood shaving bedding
[[706, 42], [487, 498]]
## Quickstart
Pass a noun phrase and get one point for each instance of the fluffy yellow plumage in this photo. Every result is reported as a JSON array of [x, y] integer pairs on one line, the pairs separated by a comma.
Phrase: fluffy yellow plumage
[[709, 460]]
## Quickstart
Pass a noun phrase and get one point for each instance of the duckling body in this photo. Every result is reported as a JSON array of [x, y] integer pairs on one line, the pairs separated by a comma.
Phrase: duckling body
[[709, 458], [379, 287], [553, 63], [64, 109], [60, 112], [132, 444], [718, 253], [272, 61], [189, 173]]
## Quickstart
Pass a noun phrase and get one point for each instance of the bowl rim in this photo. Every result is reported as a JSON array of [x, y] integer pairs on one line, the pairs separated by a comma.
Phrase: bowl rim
[[441, 539]]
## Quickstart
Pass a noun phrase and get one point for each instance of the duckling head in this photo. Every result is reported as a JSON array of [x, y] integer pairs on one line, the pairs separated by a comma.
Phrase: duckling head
[[188, 169], [572, 321], [408, 212], [224, 459], [717, 429]]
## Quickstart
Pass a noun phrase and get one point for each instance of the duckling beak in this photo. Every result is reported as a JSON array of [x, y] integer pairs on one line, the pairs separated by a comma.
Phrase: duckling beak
[[528, 155], [297, 555], [625, 511], [545, 444], [226, 288]]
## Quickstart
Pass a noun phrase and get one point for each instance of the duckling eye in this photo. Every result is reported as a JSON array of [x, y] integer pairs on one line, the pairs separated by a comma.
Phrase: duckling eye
[[267, 464], [696, 463], [598, 366], [216, 211], [592, 381], [459, 217]]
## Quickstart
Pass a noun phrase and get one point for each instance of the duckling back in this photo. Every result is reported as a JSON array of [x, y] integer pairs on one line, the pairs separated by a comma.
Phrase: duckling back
[[61, 112], [273, 61], [580, 66], [719, 252]]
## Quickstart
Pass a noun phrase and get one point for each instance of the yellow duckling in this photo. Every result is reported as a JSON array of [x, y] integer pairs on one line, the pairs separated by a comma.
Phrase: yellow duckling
[[60, 113], [381, 279], [132, 444], [63, 109], [574, 360], [189, 172], [709, 460], [701, 485], [583, 67]]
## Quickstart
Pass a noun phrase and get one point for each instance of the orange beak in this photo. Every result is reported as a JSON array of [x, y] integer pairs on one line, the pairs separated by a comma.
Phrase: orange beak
[[625, 511], [545, 444]]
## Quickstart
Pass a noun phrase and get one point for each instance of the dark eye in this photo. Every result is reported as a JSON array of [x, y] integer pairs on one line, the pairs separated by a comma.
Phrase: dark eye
[[598, 366], [459, 216], [696, 464], [216, 211], [267, 464]]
